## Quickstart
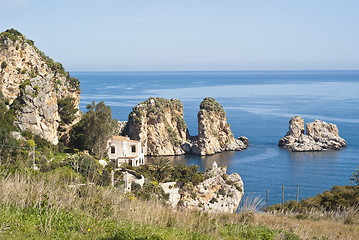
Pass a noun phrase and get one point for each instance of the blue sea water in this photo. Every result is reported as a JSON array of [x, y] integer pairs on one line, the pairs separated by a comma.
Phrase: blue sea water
[[259, 105]]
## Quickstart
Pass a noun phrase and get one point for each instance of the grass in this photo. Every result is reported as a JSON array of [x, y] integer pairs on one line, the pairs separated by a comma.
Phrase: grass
[[40, 206], [35, 205]]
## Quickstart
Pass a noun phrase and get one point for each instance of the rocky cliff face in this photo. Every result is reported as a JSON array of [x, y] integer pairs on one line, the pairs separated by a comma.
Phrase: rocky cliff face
[[33, 83], [158, 123], [214, 133], [319, 136], [217, 193]]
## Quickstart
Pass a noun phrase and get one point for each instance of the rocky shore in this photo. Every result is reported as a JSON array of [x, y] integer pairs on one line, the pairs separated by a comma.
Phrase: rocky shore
[[319, 136], [219, 192]]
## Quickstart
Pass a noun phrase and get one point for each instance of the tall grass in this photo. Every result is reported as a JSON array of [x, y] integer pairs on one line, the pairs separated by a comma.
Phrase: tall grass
[[51, 200]]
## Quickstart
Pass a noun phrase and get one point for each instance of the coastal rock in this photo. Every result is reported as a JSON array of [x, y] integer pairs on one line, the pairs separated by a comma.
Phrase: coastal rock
[[319, 136], [159, 125], [32, 83], [214, 133], [217, 193]]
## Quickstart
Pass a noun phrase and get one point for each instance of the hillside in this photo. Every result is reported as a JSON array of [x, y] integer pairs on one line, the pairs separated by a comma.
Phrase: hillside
[[44, 96]]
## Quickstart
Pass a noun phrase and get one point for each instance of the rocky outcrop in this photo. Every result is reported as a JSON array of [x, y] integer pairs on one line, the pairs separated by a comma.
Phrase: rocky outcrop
[[159, 125], [217, 193], [214, 133], [319, 136], [32, 83]]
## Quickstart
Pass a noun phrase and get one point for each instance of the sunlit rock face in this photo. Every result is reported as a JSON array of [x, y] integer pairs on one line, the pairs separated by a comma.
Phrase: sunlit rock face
[[159, 125], [219, 192], [319, 136], [214, 133], [32, 84]]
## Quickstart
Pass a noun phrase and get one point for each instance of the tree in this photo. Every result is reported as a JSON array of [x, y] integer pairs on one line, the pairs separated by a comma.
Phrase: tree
[[355, 178], [67, 110], [160, 168], [94, 129]]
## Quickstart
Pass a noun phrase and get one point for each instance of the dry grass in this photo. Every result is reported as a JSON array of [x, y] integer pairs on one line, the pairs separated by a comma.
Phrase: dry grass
[[48, 194], [309, 229]]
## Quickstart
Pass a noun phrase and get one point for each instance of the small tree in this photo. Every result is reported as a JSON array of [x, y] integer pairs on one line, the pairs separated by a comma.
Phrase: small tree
[[67, 110], [355, 178], [160, 168], [94, 129]]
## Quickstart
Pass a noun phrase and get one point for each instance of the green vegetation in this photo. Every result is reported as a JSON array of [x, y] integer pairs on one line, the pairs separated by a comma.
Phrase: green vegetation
[[340, 202], [183, 174], [339, 197], [94, 129], [173, 136], [66, 110], [355, 177], [210, 104], [7, 118], [11, 34], [3, 65]]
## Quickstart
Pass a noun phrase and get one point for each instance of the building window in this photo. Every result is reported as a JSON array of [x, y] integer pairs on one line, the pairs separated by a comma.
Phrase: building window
[[113, 149], [133, 148]]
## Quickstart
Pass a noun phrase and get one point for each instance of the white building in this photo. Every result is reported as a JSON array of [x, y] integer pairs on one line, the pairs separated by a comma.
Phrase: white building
[[124, 150]]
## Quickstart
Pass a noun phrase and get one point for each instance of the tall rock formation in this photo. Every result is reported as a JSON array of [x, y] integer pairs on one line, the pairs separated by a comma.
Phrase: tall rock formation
[[158, 123], [214, 133], [319, 136], [33, 83]]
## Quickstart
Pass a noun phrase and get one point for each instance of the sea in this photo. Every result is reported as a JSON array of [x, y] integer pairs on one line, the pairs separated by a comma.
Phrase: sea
[[259, 105]]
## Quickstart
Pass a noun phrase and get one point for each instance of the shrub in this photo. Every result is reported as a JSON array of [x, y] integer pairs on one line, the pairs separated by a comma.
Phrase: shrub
[[3, 65]]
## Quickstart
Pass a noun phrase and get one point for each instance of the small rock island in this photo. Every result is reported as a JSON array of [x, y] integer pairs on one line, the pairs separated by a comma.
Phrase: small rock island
[[319, 136]]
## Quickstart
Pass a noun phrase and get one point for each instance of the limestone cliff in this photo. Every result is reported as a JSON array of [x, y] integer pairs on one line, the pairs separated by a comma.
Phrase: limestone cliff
[[217, 193], [319, 136], [214, 133], [158, 123], [33, 83]]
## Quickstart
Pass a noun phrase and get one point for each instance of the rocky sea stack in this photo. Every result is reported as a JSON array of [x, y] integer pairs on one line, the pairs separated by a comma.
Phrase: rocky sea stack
[[319, 136], [43, 95], [158, 123], [214, 133]]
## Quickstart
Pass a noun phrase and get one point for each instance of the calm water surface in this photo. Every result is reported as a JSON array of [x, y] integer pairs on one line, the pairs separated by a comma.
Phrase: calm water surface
[[259, 105]]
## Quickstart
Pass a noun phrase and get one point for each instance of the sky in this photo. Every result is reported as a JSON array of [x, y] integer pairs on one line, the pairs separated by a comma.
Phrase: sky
[[190, 35]]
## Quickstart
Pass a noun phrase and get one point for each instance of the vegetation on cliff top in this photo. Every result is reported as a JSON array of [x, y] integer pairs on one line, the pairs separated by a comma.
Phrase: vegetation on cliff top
[[16, 37], [210, 104]]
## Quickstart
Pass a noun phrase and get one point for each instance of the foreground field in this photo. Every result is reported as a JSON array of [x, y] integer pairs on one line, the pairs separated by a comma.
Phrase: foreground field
[[42, 206]]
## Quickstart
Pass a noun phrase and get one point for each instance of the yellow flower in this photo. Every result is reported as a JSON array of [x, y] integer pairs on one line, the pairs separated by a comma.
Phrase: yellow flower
[[89, 230]]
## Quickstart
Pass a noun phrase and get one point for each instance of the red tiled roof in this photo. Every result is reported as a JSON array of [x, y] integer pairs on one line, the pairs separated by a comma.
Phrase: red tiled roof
[[123, 139]]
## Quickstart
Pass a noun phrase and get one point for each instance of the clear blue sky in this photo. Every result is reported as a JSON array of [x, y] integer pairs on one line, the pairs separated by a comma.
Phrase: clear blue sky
[[90, 35]]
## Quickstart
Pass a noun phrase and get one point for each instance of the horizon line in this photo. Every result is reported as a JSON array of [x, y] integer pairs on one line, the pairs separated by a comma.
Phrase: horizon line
[[291, 70]]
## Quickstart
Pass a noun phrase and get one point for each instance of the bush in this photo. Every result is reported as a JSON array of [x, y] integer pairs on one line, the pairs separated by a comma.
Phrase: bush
[[3, 65], [338, 197]]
